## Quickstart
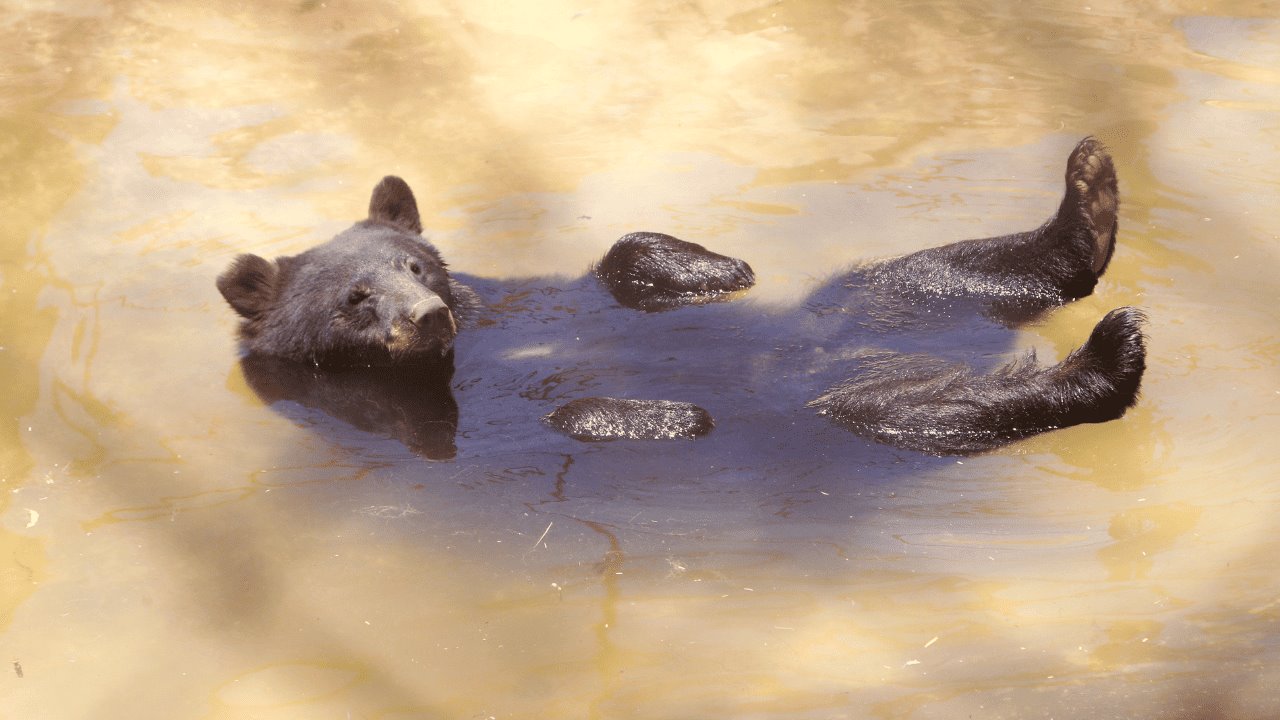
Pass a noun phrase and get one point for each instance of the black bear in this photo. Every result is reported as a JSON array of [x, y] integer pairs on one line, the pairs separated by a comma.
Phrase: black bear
[[379, 295], [375, 295]]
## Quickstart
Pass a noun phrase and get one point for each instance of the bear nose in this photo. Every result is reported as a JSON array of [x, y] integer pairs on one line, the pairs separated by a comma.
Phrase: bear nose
[[432, 314]]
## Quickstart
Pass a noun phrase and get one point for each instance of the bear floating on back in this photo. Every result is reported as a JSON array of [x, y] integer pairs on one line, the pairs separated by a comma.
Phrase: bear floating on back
[[379, 295]]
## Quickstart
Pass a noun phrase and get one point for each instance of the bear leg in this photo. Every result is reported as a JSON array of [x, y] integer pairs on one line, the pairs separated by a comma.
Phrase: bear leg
[[1059, 261], [922, 403]]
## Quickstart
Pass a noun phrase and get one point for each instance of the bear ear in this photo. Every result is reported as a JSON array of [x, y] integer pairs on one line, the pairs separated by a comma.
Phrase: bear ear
[[393, 203], [249, 285]]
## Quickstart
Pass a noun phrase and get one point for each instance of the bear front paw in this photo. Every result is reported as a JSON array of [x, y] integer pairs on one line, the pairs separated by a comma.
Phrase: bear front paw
[[606, 418], [1093, 199], [652, 271]]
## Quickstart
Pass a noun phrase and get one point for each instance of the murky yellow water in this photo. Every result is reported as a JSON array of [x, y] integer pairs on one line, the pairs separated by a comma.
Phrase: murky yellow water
[[170, 548]]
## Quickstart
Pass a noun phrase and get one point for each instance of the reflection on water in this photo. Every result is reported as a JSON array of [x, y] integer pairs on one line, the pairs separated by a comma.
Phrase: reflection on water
[[413, 405], [161, 521]]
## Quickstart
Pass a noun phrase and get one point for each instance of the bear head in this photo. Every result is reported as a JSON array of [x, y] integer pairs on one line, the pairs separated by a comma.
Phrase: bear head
[[377, 294]]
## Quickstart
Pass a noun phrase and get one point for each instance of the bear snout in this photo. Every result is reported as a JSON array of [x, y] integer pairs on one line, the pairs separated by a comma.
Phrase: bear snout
[[431, 315], [426, 327]]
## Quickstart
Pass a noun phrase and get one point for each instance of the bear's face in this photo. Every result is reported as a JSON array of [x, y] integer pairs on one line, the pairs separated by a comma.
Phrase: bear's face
[[378, 294]]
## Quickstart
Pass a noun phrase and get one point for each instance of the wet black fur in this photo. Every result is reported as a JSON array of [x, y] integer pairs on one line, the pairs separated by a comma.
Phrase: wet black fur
[[652, 271], [304, 309], [923, 403], [604, 418], [350, 301], [918, 401], [1025, 273]]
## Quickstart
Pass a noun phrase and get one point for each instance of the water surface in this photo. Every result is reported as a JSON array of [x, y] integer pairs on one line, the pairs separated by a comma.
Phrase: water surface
[[172, 547]]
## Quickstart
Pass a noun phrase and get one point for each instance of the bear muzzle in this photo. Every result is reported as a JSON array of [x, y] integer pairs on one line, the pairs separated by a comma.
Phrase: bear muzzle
[[427, 328], [432, 315]]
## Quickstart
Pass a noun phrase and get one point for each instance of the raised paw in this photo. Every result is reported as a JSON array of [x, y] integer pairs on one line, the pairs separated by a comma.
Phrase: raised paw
[[1092, 198], [651, 271], [1024, 273]]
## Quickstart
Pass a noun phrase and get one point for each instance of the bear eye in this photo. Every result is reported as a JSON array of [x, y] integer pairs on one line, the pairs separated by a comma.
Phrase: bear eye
[[414, 267], [357, 296]]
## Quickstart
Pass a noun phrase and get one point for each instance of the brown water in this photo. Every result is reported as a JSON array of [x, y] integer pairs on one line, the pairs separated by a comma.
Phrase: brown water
[[171, 548]]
